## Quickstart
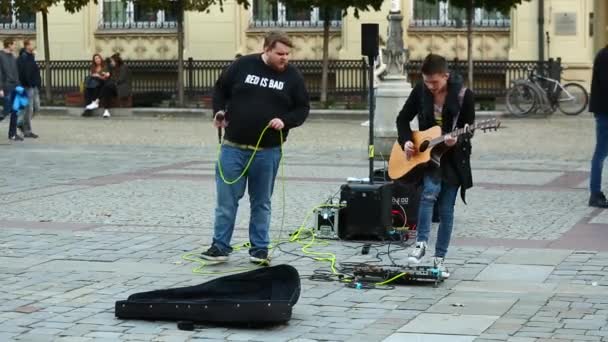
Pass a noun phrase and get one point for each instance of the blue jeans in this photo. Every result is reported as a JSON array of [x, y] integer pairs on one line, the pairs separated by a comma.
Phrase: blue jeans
[[434, 190], [259, 180], [601, 151], [9, 97]]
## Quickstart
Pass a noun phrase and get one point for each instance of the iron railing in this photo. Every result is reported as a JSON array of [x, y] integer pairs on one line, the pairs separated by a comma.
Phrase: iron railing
[[443, 14], [491, 79], [131, 15], [154, 81]]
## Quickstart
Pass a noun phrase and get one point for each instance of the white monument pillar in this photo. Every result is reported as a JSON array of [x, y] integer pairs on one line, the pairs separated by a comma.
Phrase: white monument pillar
[[394, 88], [395, 6]]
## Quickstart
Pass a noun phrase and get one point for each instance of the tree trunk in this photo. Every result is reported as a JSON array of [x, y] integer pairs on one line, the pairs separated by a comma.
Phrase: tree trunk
[[324, 72], [180, 54], [470, 9], [47, 58]]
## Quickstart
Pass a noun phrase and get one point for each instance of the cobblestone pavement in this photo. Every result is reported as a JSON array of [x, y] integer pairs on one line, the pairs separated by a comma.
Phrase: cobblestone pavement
[[96, 210]]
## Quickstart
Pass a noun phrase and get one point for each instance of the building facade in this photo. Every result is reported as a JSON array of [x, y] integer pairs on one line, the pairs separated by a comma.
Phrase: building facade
[[573, 30]]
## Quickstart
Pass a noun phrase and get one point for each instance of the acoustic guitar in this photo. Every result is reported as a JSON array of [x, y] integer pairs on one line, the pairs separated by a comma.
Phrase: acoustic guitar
[[428, 148]]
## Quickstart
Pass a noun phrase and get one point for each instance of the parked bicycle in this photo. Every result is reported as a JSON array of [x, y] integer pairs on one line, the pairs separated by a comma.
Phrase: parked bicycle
[[545, 94]]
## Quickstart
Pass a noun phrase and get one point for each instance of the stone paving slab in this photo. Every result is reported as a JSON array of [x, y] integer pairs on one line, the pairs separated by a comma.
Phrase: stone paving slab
[[514, 177], [521, 256], [466, 304], [515, 273], [454, 324], [428, 338]]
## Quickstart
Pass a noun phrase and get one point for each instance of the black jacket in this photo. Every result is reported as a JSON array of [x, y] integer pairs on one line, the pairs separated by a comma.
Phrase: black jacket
[[599, 83], [29, 72], [455, 163], [121, 75]]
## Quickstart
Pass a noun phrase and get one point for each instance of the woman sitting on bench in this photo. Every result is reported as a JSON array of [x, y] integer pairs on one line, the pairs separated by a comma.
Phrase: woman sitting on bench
[[118, 85]]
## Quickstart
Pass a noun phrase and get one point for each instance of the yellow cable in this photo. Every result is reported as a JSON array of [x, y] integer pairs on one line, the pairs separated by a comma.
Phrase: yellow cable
[[257, 145]]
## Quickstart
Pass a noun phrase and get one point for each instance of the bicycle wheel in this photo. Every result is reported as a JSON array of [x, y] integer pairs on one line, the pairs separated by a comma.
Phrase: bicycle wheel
[[521, 100], [572, 99]]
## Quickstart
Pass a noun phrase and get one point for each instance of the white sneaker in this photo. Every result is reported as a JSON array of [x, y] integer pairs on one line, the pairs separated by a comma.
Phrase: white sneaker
[[439, 264], [417, 253], [106, 114], [93, 105]]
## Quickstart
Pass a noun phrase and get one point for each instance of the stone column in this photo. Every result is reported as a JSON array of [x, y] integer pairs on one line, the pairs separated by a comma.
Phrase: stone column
[[393, 89]]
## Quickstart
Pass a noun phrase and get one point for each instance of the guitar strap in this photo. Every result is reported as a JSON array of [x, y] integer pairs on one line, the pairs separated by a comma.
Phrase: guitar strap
[[463, 90]]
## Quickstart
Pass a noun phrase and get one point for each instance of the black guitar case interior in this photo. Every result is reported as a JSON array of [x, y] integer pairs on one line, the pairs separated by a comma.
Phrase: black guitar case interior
[[262, 296]]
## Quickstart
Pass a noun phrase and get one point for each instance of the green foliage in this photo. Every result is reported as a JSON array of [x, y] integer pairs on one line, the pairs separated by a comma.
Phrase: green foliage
[[33, 6]]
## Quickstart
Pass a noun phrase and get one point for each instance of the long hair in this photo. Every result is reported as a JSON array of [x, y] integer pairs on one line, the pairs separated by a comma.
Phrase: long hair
[[94, 66]]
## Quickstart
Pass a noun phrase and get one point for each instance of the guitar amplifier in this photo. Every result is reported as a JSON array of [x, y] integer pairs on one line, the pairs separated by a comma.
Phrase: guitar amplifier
[[367, 215], [405, 196]]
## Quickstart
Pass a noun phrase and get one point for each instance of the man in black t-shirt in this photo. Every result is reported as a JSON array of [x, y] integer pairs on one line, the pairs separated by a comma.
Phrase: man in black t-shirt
[[255, 92]]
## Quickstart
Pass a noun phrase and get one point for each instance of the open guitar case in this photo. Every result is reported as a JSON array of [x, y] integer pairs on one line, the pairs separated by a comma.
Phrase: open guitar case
[[264, 296]]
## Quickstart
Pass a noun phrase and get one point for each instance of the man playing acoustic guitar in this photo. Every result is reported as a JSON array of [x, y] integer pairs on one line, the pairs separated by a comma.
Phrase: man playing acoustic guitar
[[442, 101]]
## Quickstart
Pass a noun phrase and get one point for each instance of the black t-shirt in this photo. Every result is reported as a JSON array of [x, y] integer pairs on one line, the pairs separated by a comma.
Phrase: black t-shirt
[[252, 94]]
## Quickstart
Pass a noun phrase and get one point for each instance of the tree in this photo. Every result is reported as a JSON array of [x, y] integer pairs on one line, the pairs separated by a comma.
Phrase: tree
[[42, 6], [504, 6], [181, 7], [327, 7]]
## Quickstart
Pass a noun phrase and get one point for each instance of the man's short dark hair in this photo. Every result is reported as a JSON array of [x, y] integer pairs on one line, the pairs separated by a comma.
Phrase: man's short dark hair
[[434, 64], [8, 42], [273, 37]]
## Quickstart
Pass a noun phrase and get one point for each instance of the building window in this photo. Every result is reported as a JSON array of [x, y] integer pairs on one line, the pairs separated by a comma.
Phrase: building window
[[266, 13], [442, 14], [17, 21], [116, 14]]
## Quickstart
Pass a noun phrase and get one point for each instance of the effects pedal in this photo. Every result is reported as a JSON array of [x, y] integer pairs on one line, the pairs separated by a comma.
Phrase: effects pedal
[[326, 223]]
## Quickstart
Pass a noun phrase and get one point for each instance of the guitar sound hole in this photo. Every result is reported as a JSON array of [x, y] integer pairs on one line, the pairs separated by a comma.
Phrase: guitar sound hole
[[424, 145]]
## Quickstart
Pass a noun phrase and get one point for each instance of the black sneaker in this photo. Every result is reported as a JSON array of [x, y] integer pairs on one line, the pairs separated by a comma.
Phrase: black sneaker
[[16, 137], [31, 135], [260, 256], [214, 254], [598, 200]]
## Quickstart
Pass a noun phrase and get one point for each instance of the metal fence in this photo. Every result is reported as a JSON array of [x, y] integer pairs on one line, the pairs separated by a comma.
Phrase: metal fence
[[156, 81], [491, 79]]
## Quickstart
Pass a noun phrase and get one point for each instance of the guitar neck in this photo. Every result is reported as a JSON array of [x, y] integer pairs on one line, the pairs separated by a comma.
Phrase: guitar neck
[[456, 133]]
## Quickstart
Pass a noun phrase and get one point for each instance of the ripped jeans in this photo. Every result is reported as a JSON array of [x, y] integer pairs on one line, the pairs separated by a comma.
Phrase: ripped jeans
[[434, 190]]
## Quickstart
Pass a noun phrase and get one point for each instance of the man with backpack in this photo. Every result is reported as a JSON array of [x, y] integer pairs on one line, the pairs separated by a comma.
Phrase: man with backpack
[[440, 100], [9, 80]]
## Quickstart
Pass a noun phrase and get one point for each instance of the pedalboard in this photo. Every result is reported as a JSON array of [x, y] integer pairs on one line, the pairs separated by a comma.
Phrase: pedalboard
[[409, 274]]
